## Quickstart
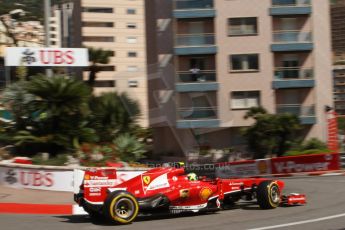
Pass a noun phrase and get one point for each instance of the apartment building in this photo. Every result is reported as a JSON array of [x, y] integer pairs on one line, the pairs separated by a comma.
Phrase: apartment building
[[119, 26], [338, 29], [65, 25], [229, 56], [338, 46]]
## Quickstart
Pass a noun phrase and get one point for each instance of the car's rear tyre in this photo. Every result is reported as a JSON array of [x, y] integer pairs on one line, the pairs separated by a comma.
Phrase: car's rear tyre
[[121, 207], [268, 194]]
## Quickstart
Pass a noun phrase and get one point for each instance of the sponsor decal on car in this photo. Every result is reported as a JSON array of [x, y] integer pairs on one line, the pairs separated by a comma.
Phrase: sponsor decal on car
[[184, 193], [146, 180], [87, 177], [158, 183], [100, 183], [205, 193]]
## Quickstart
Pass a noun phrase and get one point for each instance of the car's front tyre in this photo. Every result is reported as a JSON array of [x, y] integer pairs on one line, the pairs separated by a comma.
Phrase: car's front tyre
[[268, 194]]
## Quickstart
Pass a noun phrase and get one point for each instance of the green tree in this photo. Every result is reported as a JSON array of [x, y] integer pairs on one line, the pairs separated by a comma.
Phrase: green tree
[[51, 115], [271, 133], [311, 146], [96, 57], [113, 114], [341, 125], [18, 101], [129, 148]]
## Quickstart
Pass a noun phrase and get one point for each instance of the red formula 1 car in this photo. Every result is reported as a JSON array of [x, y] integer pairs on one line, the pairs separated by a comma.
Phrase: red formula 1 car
[[171, 190]]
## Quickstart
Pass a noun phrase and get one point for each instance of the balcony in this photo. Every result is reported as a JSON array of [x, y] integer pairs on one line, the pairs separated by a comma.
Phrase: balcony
[[201, 82], [197, 117], [285, 78], [194, 9], [292, 41], [306, 114], [189, 44], [290, 7]]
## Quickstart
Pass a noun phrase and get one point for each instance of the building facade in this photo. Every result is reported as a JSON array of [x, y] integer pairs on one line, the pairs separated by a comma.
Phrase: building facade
[[229, 56], [338, 30], [118, 26], [338, 46]]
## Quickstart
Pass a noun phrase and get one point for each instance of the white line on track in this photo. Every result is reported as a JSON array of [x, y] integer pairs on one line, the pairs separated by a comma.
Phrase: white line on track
[[300, 222]]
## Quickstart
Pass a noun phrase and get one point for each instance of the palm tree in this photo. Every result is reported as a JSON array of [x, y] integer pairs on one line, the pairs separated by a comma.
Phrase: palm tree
[[59, 96], [97, 56], [55, 112], [17, 100], [113, 113]]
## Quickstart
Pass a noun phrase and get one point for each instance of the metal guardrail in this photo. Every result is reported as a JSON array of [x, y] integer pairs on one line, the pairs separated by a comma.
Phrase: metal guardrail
[[290, 3], [342, 159], [195, 39]]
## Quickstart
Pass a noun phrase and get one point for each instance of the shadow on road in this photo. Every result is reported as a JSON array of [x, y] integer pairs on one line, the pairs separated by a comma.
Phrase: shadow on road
[[152, 217], [75, 219]]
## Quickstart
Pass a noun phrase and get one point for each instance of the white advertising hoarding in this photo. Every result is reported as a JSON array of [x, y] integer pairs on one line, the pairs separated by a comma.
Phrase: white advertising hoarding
[[53, 180], [41, 56]]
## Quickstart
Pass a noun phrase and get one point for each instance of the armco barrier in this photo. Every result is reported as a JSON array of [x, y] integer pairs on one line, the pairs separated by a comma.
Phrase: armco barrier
[[282, 166], [68, 179], [305, 163]]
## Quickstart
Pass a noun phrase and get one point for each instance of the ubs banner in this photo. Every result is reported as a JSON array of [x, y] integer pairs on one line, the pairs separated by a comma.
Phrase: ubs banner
[[37, 179], [40, 56]]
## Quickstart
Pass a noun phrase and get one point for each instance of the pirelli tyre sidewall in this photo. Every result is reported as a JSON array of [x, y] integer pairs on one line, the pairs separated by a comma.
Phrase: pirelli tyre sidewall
[[121, 207], [268, 195]]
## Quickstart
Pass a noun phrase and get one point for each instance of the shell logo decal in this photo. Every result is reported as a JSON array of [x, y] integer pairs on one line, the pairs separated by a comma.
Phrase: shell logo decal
[[205, 193], [262, 167], [147, 180], [87, 177]]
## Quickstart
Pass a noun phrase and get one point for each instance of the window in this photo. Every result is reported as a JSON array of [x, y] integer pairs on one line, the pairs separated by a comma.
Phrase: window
[[132, 54], [131, 40], [244, 62], [245, 99], [132, 83], [242, 26], [132, 68], [98, 24], [98, 39], [110, 68], [131, 11], [97, 10], [131, 25], [106, 68], [105, 83]]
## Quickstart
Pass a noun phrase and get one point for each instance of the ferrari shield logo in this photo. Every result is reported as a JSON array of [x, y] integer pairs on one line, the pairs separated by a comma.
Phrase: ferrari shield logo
[[146, 179]]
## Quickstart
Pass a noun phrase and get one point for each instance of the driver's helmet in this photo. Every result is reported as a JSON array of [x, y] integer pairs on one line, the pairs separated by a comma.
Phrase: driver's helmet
[[192, 177]]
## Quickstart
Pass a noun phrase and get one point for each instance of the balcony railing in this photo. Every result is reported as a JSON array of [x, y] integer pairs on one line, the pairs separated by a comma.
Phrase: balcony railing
[[291, 3], [193, 4], [286, 36], [298, 110], [194, 40], [293, 73], [197, 113], [204, 76]]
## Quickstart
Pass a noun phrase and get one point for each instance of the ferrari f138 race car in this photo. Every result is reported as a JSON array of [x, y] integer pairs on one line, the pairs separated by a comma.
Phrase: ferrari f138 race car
[[171, 190]]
